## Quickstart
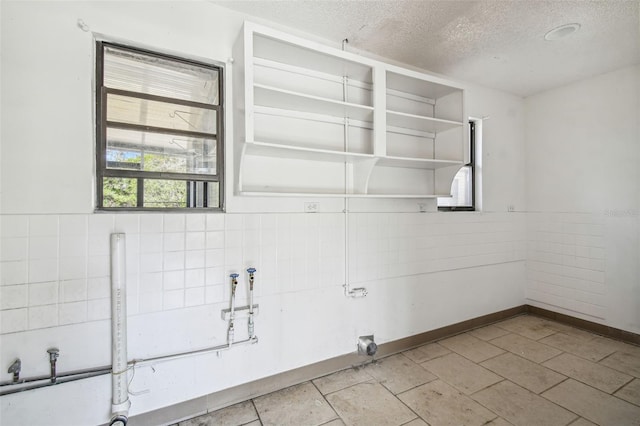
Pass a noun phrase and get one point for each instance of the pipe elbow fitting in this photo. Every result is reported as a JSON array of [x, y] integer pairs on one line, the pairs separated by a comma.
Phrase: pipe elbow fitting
[[119, 420]]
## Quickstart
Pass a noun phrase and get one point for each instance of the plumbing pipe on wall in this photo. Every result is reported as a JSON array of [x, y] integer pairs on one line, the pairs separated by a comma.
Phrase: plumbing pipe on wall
[[120, 393], [251, 272], [234, 285], [348, 291]]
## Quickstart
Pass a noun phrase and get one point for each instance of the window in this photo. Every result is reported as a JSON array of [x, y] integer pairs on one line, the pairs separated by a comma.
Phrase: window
[[463, 190], [159, 131]]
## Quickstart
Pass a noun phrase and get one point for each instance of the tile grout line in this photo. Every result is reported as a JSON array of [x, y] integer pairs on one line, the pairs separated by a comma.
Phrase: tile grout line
[[540, 395], [253, 404], [405, 405], [470, 396], [486, 387], [607, 356], [618, 389], [553, 357], [590, 385], [562, 406], [455, 388], [327, 402], [553, 386]]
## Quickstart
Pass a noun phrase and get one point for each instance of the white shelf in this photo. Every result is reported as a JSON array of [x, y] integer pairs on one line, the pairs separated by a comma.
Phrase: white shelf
[[284, 48], [257, 193], [286, 99], [418, 122], [293, 123], [416, 163], [289, 192], [398, 196], [418, 85], [266, 63], [303, 153]]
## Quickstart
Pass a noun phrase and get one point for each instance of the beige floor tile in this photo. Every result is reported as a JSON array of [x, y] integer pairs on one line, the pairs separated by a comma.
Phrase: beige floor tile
[[572, 331], [596, 375], [297, 405], [526, 348], [441, 404], [461, 373], [626, 360], [255, 423], [341, 379], [630, 392], [593, 350], [416, 422], [531, 327], [498, 422], [234, 415], [426, 352], [369, 404], [398, 373], [594, 405], [471, 347], [489, 332], [336, 422], [522, 407], [523, 372], [582, 422]]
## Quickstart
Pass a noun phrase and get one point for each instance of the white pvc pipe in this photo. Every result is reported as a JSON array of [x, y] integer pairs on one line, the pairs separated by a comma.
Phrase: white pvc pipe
[[120, 393], [232, 315], [250, 325]]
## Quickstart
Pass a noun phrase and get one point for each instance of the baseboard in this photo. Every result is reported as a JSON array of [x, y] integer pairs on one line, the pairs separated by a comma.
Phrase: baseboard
[[594, 327], [230, 396]]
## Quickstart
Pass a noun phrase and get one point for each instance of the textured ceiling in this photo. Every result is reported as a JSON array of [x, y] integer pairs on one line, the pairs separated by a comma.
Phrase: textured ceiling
[[498, 44]]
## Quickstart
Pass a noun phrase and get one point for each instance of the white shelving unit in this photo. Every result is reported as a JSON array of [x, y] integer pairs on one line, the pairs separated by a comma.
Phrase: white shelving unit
[[315, 121]]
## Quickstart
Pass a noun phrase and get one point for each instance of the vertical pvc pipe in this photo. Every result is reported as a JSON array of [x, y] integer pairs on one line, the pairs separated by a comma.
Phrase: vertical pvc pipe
[[120, 394], [250, 325], [232, 315]]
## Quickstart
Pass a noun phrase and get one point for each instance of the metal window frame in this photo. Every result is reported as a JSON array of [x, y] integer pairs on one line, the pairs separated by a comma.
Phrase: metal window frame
[[472, 165], [102, 124]]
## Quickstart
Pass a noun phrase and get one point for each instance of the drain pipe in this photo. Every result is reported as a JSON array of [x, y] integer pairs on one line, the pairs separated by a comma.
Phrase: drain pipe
[[120, 393], [348, 291], [251, 272], [232, 316]]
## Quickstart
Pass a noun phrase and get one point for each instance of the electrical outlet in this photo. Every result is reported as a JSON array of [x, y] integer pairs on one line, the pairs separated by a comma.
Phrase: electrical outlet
[[511, 208], [312, 207]]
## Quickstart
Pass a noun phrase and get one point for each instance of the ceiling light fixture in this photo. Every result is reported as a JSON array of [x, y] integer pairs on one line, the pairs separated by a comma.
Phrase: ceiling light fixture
[[561, 32]]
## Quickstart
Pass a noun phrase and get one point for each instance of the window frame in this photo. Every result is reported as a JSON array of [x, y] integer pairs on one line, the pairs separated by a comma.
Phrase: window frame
[[101, 170], [472, 165]]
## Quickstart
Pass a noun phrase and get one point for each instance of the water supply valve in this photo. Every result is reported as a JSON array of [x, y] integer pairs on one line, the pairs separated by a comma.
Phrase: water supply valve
[[15, 370]]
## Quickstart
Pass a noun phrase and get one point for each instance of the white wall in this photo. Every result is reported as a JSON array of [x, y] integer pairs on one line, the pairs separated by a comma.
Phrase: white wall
[[423, 271], [583, 191]]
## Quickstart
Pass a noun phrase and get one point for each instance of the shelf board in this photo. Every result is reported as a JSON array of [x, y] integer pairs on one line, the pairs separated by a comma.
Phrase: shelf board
[[266, 63], [287, 49], [416, 163], [417, 85], [286, 99], [254, 192], [304, 153], [419, 122], [396, 196], [289, 192], [314, 117]]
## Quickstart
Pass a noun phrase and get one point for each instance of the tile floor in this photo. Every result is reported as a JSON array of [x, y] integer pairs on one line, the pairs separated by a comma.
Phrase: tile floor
[[522, 371]]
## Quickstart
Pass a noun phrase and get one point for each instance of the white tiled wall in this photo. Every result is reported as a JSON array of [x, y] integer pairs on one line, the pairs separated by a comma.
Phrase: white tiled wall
[[392, 245], [566, 261], [55, 268]]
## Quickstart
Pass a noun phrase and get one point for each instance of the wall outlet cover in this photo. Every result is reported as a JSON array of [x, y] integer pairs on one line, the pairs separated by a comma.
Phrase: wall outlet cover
[[311, 207]]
